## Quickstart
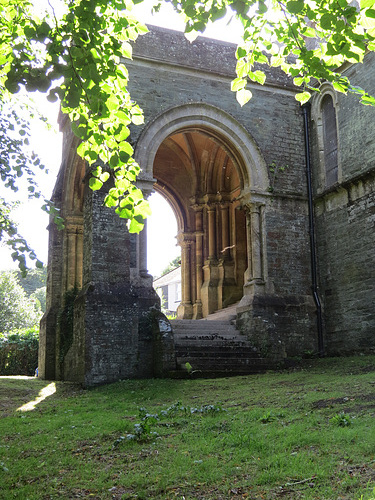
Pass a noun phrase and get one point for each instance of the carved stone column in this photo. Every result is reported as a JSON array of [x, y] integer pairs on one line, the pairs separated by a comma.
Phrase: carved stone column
[[185, 309], [73, 252], [256, 241], [197, 308], [142, 244], [143, 252], [225, 245], [255, 272], [211, 212]]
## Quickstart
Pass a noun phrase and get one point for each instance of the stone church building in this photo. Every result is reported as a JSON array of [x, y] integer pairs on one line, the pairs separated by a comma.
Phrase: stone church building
[[275, 206]]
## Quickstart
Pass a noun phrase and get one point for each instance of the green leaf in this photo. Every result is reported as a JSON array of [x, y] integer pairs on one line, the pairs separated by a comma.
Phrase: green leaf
[[367, 3], [370, 13], [326, 21], [257, 76], [104, 176], [95, 183], [238, 84], [299, 80], [135, 226], [340, 87], [241, 52], [368, 100], [110, 201], [303, 97], [295, 6], [243, 96], [262, 7], [124, 213], [127, 50], [137, 119]]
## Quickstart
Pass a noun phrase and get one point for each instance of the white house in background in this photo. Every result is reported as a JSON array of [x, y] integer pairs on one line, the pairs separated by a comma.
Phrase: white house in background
[[168, 287]]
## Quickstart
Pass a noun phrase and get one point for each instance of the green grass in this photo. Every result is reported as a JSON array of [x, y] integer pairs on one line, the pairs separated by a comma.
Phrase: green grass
[[302, 434]]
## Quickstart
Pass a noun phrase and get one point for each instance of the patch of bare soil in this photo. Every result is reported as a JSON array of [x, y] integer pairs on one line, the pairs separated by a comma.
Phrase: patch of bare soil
[[331, 402]]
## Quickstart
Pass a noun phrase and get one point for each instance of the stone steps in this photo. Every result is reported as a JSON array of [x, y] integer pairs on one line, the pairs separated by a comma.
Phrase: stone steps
[[213, 347]]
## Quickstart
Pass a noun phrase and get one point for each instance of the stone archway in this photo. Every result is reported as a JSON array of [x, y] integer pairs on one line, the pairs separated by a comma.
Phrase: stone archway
[[209, 168]]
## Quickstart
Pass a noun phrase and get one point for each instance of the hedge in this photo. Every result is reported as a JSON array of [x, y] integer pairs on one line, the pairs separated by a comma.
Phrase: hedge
[[19, 352]]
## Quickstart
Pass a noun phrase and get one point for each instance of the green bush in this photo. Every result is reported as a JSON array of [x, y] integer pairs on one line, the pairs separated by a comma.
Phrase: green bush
[[19, 352]]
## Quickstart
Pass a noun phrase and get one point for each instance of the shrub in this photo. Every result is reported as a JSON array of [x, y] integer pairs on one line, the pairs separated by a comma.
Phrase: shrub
[[19, 352]]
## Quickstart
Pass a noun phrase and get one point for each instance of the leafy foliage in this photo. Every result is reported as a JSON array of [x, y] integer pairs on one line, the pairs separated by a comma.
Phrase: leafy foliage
[[76, 58], [39, 296], [309, 41], [35, 279], [16, 309], [18, 164], [34, 284], [19, 352]]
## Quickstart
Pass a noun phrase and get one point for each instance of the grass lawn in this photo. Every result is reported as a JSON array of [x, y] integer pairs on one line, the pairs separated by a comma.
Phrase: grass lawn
[[308, 433]]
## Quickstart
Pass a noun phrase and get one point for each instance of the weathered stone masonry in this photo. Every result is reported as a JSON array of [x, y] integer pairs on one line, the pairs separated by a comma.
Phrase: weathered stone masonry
[[243, 233]]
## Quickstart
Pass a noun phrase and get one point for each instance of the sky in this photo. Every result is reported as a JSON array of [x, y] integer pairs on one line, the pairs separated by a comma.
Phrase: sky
[[162, 227]]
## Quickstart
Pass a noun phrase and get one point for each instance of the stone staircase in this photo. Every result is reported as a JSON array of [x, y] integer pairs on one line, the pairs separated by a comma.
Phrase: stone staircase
[[213, 347]]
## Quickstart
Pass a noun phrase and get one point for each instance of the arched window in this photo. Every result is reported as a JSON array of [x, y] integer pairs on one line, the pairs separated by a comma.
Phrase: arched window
[[329, 123]]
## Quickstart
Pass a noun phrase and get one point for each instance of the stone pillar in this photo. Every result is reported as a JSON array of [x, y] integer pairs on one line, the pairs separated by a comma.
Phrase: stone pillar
[[142, 264], [197, 309], [115, 326], [225, 244], [185, 309], [256, 242], [74, 253], [254, 230], [211, 212], [79, 260], [142, 240], [255, 272]]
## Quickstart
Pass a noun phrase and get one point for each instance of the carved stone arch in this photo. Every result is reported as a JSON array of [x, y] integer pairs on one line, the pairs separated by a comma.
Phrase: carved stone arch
[[210, 166], [220, 125]]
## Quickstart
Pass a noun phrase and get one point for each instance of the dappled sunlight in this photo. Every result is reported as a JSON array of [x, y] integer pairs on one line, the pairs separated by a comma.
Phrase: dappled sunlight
[[43, 394]]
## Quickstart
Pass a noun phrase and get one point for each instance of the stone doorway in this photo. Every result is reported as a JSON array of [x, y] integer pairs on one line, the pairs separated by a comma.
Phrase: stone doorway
[[196, 173]]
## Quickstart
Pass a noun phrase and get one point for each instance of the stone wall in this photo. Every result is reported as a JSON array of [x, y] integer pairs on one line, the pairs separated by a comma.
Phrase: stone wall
[[345, 224], [167, 71]]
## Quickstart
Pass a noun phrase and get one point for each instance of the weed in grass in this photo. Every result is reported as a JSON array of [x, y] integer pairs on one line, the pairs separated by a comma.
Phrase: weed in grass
[[269, 416], [341, 420], [143, 431]]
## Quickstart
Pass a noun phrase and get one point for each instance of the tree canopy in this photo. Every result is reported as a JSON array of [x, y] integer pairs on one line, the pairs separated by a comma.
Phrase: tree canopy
[[75, 57], [16, 309]]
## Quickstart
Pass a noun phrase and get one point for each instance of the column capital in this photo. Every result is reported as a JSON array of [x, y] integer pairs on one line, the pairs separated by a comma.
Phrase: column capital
[[185, 239], [253, 197]]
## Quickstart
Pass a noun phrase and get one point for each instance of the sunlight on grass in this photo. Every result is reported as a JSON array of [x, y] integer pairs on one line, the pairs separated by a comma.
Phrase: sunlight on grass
[[43, 394]]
